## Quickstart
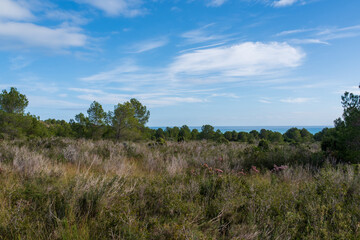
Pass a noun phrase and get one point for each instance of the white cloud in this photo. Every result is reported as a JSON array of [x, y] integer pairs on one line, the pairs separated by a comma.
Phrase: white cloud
[[12, 10], [309, 41], [148, 45], [182, 80], [245, 59], [295, 31], [337, 33], [264, 100], [22, 35], [86, 90], [129, 8], [69, 16], [296, 100], [320, 35], [42, 101], [155, 99], [284, 3], [201, 35], [112, 75], [227, 95], [19, 62], [216, 3], [353, 89], [198, 36]]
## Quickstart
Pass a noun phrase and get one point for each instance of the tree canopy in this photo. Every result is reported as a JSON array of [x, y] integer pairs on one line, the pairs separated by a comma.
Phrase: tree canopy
[[343, 142], [13, 101]]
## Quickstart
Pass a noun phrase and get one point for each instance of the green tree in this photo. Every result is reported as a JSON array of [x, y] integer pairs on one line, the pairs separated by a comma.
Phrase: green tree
[[275, 137], [293, 135], [228, 135], [243, 136], [96, 114], [195, 134], [141, 112], [320, 135], [306, 135], [343, 142], [160, 133], [13, 101], [184, 133], [234, 136], [124, 120], [264, 134], [80, 126], [207, 132], [254, 134], [172, 133], [97, 117], [129, 119]]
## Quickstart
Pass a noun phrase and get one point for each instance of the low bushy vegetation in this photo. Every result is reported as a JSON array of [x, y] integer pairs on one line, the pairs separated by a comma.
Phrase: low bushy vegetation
[[83, 189], [107, 176]]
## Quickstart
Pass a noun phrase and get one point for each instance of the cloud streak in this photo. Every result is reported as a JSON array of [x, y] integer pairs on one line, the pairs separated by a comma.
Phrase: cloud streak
[[148, 45], [216, 3], [296, 100], [320, 35], [241, 60], [23, 35], [284, 3], [192, 70], [11, 10], [127, 8]]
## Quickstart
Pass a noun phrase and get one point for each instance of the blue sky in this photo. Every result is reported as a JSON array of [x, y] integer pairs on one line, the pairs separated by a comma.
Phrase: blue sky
[[194, 62]]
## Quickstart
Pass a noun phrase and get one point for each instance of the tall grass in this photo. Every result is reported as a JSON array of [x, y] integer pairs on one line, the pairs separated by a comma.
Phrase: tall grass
[[80, 189]]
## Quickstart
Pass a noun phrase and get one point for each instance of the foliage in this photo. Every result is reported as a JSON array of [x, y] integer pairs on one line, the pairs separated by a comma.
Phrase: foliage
[[343, 142], [13, 101], [181, 190]]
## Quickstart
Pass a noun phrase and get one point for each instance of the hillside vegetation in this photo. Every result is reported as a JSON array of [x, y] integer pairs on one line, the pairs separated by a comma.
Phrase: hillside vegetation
[[108, 176], [84, 189]]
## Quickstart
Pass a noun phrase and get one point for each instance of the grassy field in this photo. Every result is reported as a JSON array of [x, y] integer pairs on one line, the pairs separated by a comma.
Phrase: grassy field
[[82, 189]]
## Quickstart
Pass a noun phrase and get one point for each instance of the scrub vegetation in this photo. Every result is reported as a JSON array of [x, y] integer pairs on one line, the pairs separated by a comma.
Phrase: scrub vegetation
[[110, 177]]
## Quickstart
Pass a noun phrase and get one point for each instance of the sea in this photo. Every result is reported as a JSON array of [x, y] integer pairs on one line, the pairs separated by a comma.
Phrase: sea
[[280, 129]]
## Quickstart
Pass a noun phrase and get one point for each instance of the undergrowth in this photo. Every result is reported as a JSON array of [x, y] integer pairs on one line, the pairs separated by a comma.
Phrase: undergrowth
[[80, 189]]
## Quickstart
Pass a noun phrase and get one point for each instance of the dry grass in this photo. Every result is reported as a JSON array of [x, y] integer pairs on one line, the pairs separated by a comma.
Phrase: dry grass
[[82, 189]]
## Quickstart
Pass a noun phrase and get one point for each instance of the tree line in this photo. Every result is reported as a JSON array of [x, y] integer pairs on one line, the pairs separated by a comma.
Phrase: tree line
[[127, 122]]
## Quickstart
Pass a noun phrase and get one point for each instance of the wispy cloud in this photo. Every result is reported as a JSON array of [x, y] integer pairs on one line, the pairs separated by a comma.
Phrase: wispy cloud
[[23, 35], [13, 10], [264, 100], [241, 60], [128, 8], [295, 31], [296, 100], [46, 102], [183, 80], [112, 75], [320, 35], [227, 95], [148, 45], [211, 65], [86, 90], [216, 3], [19, 62], [154, 99], [72, 17], [337, 33], [309, 41], [202, 35], [284, 3]]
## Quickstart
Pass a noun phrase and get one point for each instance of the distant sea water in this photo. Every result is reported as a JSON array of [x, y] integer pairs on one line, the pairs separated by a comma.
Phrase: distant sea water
[[281, 129]]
